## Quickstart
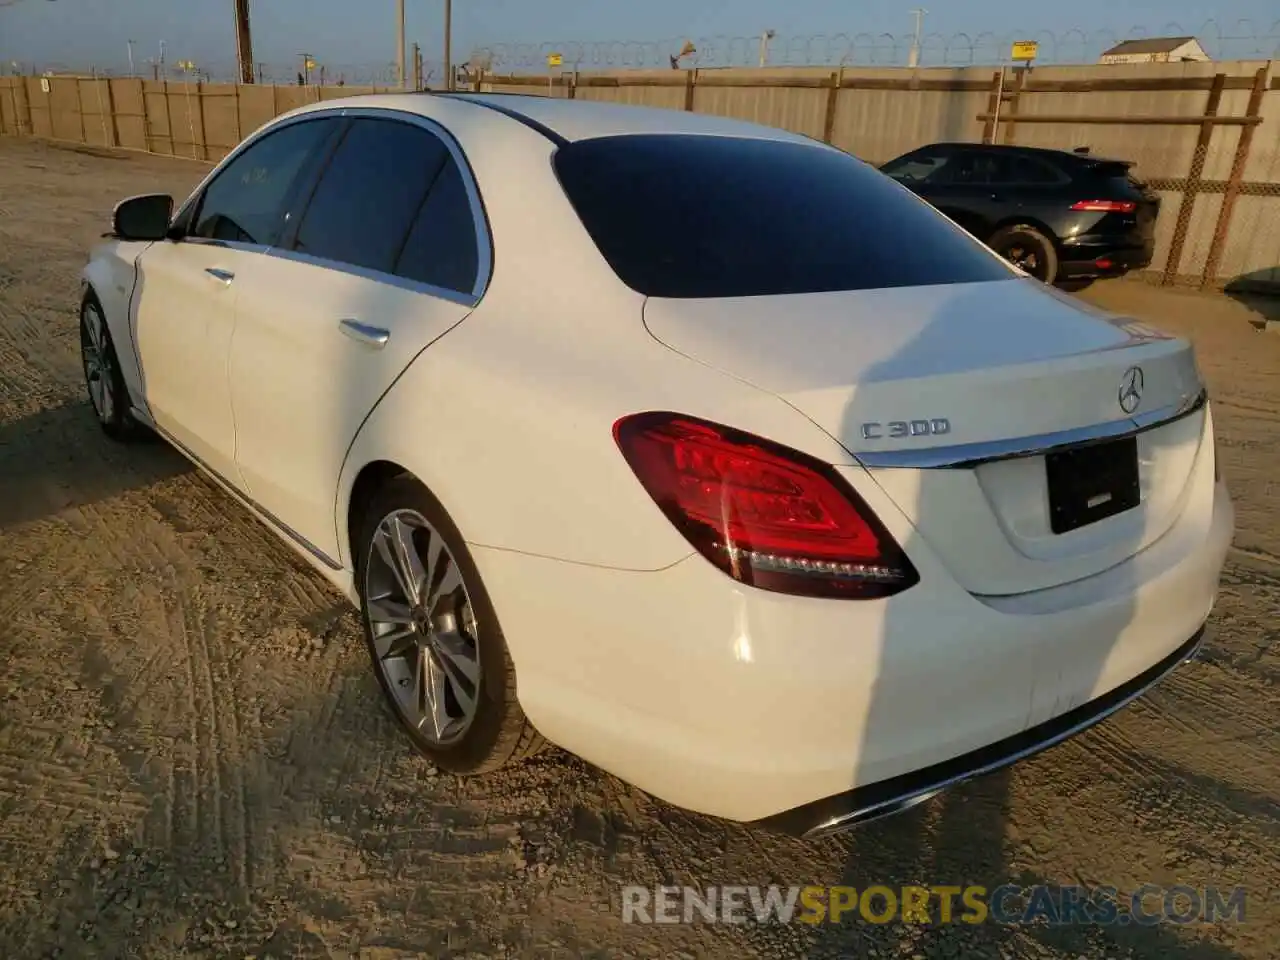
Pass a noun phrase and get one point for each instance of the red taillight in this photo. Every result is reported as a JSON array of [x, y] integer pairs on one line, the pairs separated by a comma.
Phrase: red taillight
[[1105, 206], [764, 514]]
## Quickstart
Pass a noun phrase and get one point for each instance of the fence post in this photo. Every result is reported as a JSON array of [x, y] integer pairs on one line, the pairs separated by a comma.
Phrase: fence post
[[993, 106], [1192, 187], [84, 136], [148, 140], [111, 109], [1236, 177], [204, 134], [13, 100], [236, 107], [168, 120], [833, 96], [690, 81], [26, 101], [1020, 81]]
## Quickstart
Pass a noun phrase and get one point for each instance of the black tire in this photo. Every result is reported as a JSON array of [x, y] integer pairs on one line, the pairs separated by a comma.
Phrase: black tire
[[101, 365], [499, 732], [1029, 249]]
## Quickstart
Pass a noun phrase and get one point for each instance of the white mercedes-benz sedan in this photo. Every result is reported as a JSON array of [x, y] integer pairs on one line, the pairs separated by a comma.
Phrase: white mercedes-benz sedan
[[698, 448]]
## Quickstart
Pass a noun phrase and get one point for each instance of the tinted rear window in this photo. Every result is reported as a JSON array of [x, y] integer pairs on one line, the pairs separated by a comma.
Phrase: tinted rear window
[[701, 216]]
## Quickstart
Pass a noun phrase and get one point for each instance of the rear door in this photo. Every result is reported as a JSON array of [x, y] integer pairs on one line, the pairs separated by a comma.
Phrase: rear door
[[389, 253]]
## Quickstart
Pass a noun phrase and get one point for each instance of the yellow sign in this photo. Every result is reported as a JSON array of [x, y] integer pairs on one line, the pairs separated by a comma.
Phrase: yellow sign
[[1024, 50], [311, 64], [554, 60]]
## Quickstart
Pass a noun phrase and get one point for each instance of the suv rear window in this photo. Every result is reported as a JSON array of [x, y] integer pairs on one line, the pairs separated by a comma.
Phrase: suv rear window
[[691, 216]]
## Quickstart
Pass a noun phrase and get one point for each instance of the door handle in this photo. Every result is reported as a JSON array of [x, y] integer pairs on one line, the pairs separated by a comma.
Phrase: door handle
[[226, 276], [371, 336]]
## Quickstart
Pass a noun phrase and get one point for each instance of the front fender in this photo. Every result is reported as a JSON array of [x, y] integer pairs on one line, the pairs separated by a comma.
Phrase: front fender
[[111, 274]]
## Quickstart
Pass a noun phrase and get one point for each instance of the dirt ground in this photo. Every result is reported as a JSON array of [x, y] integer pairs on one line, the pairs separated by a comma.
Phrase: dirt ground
[[194, 760]]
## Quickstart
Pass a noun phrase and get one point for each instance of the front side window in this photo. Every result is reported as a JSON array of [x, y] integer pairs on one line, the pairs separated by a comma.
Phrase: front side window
[[923, 166], [678, 215], [245, 202], [369, 195]]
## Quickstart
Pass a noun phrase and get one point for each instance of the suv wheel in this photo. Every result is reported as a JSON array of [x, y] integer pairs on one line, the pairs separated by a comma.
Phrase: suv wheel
[[1028, 249]]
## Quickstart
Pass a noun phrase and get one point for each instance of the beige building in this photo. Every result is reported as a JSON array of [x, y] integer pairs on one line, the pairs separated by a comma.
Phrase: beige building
[[1155, 50]]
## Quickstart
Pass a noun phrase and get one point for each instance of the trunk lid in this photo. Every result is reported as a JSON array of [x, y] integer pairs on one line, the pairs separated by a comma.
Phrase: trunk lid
[[907, 373]]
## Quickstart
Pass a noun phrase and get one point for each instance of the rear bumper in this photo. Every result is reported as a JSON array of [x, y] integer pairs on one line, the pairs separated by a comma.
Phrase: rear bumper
[[750, 705], [1104, 259], [845, 811]]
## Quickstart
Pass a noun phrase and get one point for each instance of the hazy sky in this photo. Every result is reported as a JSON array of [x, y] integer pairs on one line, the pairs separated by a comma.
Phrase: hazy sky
[[80, 33]]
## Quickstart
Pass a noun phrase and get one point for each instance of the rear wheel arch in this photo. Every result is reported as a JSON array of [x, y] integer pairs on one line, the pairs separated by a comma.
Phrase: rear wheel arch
[[1033, 223], [371, 478]]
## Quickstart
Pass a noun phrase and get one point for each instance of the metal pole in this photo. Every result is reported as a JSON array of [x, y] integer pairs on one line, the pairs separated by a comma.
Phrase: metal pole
[[131, 72], [400, 44], [995, 122], [913, 58], [244, 42], [448, 44]]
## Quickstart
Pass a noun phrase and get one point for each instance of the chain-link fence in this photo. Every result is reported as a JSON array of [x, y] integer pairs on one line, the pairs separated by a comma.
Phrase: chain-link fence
[[1243, 39]]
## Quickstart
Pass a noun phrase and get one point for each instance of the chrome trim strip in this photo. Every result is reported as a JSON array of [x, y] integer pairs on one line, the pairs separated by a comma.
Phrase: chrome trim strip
[[964, 455], [390, 279], [253, 505], [847, 821]]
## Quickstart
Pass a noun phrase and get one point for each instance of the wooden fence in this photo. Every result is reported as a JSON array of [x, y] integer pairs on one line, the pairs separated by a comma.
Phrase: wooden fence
[[1205, 135], [200, 121]]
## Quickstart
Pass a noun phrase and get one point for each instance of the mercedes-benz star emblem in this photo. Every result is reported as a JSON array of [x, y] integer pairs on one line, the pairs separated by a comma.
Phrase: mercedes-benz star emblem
[[1130, 394]]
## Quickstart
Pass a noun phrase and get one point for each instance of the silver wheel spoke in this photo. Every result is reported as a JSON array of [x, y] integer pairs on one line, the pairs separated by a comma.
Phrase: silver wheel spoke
[[390, 610], [458, 658], [399, 642], [384, 543], [449, 582], [413, 575], [432, 702]]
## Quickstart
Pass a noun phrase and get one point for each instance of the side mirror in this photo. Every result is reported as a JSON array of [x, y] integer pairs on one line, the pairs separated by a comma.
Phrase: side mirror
[[142, 218]]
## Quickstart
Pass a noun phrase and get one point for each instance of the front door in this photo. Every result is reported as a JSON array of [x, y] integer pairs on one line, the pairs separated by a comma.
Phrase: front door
[[386, 258], [189, 289]]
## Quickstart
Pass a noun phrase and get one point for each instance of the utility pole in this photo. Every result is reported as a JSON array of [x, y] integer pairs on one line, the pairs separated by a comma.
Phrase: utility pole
[[448, 44], [306, 68], [913, 58], [244, 42], [764, 46], [131, 72], [404, 74]]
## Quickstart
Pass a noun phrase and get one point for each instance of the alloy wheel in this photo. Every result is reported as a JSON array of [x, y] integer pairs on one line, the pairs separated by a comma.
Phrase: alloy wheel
[[1024, 258], [423, 626], [96, 355]]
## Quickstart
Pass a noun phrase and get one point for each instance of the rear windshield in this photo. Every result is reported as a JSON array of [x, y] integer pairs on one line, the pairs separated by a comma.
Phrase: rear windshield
[[704, 216]]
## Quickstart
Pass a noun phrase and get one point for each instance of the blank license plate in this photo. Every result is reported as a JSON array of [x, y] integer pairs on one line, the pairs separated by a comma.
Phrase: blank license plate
[[1091, 483]]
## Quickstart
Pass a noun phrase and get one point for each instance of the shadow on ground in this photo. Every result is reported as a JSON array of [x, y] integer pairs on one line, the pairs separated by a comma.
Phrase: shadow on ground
[[58, 458], [1260, 292]]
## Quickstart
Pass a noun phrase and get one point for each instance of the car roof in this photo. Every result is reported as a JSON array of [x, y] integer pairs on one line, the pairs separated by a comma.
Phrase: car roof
[[571, 120], [1050, 153]]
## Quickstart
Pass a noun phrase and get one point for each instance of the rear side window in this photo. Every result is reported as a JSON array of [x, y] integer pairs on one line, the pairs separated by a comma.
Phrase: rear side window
[[441, 248], [1031, 170], [369, 196], [707, 216], [245, 202]]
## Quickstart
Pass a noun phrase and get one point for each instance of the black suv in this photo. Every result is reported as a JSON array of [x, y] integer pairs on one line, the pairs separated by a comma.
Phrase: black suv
[[1058, 215]]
